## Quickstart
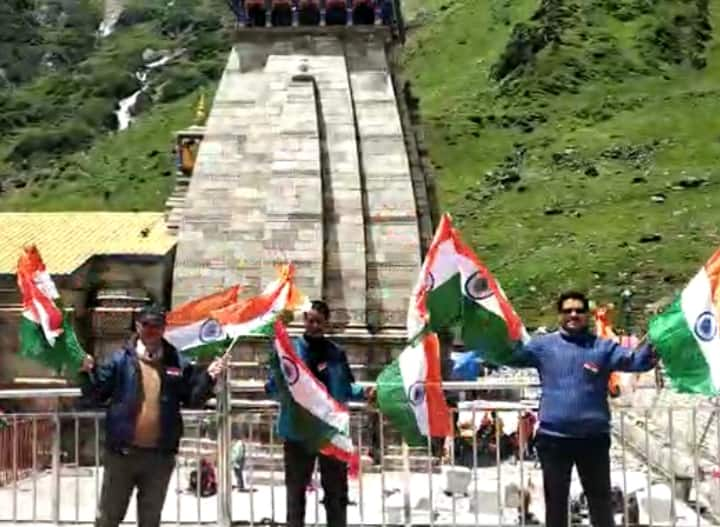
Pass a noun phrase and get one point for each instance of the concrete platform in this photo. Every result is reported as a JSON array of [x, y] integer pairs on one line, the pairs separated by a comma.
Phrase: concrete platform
[[371, 506]]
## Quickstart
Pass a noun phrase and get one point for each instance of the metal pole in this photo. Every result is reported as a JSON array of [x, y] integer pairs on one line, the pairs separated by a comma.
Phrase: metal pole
[[56, 471], [15, 468], [647, 469], [498, 462], [673, 480], [626, 520], [696, 466], [430, 481], [96, 472], [407, 510], [382, 468], [224, 502], [476, 499], [361, 501], [272, 468], [77, 470]]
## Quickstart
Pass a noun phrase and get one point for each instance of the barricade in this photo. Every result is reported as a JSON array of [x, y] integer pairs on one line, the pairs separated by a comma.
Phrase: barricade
[[664, 467]]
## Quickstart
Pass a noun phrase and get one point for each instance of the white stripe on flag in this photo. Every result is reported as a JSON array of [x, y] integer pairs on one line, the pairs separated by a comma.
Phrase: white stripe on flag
[[45, 284], [444, 264], [413, 369], [700, 313], [44, 321], [250, 326], [188, 336]]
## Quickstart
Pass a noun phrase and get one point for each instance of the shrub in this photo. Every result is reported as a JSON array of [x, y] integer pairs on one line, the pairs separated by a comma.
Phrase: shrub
[[212, 68], [65, 139], [182, 80], [99, 113], [137, 13], [114, 84]]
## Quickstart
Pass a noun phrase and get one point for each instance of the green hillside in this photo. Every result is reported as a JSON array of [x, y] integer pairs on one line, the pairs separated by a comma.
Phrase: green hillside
[[577, 143], [60, 83]]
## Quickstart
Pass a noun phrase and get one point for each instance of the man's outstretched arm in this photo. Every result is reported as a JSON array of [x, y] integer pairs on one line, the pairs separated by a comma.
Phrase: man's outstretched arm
[[620, 358]]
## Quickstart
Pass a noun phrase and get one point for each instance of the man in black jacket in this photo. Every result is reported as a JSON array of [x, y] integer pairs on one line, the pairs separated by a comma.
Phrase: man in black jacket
[[146, 383]]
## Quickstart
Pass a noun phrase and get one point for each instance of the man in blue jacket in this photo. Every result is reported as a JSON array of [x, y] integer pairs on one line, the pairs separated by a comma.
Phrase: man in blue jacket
[[574, 367], [328, 363], [145, 384]]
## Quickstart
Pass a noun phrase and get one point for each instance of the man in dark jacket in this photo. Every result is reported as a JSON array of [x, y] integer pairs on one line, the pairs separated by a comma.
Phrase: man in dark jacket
[[145, 383], [574, 367], [328, 363]]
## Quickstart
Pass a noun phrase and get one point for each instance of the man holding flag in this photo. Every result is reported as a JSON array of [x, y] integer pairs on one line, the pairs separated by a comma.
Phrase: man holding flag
[[317, 370], [574, 366], [146, 384], [456, 289]]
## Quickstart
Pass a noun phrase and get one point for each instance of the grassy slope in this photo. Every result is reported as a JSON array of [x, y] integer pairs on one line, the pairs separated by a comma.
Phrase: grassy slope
[[630, 115], [606, 99]]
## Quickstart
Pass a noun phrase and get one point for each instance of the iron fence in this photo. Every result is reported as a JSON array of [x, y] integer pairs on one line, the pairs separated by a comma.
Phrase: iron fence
[[664, 462]]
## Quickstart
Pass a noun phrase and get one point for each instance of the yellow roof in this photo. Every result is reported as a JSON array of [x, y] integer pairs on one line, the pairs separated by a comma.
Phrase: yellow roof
[[66, 240]]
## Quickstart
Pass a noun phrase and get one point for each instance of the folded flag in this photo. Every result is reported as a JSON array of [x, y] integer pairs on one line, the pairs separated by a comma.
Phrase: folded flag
[[455, 288], [192, 329], [604, 329], [686, 337], [257, 315], [46, 334], [409, 393], [323, 422]]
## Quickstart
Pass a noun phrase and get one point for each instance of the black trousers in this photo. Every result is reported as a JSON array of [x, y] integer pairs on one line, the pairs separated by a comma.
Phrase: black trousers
[[149, 471], [299, 465], [591, 456]]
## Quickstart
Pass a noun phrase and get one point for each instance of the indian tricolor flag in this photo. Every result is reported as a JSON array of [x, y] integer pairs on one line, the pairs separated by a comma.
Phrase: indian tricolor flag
[[686, 334], [409, 393], [618, 382], [46, 334], [456, 289], [257, 315], [204, 328], [192, 328], [323, 423]]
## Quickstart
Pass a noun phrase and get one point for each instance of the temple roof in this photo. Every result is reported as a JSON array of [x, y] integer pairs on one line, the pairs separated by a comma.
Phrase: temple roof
[[66, 240]]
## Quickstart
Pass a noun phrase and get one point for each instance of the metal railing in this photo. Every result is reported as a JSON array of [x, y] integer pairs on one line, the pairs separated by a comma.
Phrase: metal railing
[[488, 474]]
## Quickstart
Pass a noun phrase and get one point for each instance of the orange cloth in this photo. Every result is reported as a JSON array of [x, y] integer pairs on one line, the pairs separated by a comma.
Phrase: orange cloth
[[147, 424], [188, 157]]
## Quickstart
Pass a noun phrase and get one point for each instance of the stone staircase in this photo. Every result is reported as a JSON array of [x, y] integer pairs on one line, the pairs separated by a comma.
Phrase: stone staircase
[[175, 204]]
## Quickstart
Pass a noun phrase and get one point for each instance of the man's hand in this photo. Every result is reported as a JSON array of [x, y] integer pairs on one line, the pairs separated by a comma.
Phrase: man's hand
[[218, 366], [370, 394], [88, 364]]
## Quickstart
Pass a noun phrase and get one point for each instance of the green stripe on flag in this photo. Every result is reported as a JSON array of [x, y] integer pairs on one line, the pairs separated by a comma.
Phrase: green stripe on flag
[[392, 401], [206, 352], [443, 304], [682, 358], [65, 356], [485, 331]]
